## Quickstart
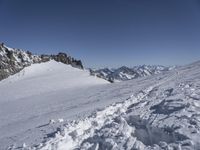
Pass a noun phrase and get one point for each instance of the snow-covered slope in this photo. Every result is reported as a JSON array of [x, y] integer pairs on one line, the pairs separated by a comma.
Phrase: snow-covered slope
[[35, 93], [45, 78], [125, 73], [154, 112], [162, 115]]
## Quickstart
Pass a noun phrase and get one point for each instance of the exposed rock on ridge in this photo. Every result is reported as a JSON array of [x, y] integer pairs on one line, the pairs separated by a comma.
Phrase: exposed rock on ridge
[[13, 60]]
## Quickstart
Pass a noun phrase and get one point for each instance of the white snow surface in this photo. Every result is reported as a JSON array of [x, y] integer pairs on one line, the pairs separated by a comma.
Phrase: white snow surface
[[37, 94], [45, 78], [155, 112]]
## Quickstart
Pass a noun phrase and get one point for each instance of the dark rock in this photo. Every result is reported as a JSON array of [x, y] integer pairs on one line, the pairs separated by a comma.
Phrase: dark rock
[[45, 58], [64, 58]]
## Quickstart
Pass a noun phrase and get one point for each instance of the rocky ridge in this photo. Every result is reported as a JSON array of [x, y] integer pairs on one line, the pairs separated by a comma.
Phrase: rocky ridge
[[13, 60]]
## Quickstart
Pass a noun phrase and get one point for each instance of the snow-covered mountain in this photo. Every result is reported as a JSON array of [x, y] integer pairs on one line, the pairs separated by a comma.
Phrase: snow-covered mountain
[[163, 112], [38, 93], [55, 106], [50, 103], [125, 73], [13, 60]]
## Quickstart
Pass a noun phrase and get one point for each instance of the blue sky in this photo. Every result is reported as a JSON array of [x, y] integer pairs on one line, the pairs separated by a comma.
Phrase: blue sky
[[105, 32]]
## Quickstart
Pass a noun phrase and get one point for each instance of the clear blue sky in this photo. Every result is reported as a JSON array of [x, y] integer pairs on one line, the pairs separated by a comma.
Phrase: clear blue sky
[[105, 32]]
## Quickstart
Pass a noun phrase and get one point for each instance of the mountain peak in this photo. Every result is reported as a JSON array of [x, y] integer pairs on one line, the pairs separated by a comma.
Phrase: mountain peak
[[13, 60]]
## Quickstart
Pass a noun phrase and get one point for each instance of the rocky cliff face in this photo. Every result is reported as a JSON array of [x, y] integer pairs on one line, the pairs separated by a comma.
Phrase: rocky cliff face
[[13, 60]]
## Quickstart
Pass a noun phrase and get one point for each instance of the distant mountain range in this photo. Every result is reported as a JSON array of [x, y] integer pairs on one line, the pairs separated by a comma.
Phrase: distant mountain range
[[52, 105], [125, 73], [13, 60]]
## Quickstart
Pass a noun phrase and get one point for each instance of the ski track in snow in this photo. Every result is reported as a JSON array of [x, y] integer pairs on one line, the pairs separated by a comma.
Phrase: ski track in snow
[[165, 115]]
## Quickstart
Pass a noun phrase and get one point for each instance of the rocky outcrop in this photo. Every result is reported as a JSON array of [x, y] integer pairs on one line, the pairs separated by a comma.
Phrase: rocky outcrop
[[64, 58], [14, 60]]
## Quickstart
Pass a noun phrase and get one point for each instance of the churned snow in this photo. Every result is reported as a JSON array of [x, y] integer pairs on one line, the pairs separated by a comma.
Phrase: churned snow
[[155, 112]]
